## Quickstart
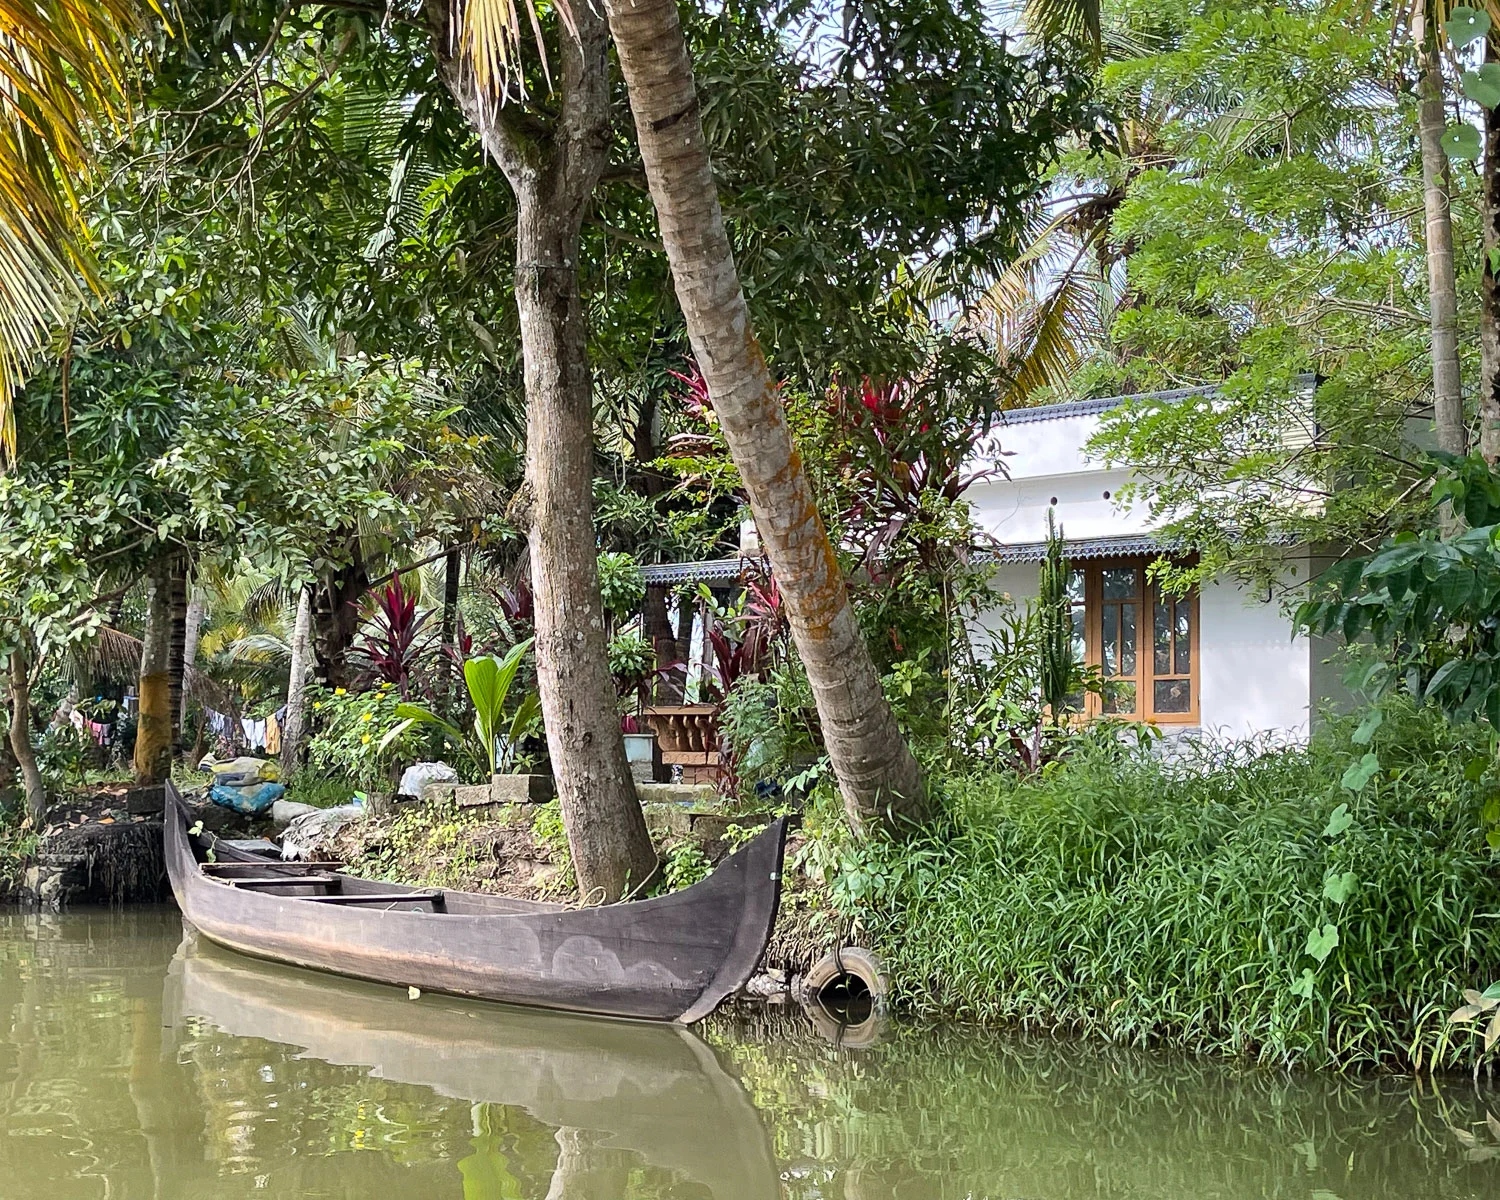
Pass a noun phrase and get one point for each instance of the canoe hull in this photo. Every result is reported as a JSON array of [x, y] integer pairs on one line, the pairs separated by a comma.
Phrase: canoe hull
[[673, 958]]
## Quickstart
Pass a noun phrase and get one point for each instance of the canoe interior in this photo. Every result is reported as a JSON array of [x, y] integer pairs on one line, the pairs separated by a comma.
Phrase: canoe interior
[[671, 958]]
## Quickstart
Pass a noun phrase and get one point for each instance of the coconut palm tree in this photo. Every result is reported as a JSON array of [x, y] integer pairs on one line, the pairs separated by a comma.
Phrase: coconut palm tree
[[62, 63]]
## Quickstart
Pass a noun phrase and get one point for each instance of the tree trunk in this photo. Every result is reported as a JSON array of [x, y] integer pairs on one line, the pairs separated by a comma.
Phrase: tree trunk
[[452, 579], [193, 631], [177, 604], [20, 738], [1489, 286], [553, 174], [294, 728], [876, 770], [1447, 387], [656, 623], [153, 733], [335, 618]]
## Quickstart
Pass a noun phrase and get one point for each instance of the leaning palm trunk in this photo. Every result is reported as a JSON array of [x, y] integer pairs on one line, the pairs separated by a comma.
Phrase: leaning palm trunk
[[1447, 390], [153, 732], [20, 738], [876, 769], [553, 173], [294, 729]]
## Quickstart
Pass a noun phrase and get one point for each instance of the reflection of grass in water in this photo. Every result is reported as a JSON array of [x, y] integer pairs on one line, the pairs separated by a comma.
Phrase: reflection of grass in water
[[986, 1114]]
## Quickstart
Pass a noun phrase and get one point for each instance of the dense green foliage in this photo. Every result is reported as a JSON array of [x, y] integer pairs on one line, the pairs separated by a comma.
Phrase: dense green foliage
[[1256, 902]]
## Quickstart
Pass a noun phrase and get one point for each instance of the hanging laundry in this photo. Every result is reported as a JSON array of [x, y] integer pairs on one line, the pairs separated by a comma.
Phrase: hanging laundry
[[273, 734], [255, 733], [220, 724]]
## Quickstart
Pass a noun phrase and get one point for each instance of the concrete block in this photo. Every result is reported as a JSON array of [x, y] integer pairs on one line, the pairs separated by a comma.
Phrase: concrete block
[[471, 795], [522, 789]]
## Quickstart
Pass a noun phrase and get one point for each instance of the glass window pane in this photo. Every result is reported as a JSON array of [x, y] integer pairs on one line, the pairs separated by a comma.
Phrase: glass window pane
[[1119, 697], [1172, 696], [1127, 639], [1120, 583], [1161, 636], [1184, 637], [1075, 586], [1111, 623], [1080, 651]]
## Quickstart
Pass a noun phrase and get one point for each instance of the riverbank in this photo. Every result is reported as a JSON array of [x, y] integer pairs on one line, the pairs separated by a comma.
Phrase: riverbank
[[1278, 905], [1321, 905]]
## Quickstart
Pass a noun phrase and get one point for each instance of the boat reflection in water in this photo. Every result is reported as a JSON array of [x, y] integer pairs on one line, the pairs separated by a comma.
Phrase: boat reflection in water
[[619, 1095]]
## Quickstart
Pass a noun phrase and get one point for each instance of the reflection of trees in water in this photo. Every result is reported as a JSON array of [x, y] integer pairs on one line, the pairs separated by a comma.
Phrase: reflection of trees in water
[[979, 1114], [91, 1084]]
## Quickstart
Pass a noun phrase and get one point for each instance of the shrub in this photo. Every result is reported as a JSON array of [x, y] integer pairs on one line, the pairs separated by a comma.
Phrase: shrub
[[1288, 904]]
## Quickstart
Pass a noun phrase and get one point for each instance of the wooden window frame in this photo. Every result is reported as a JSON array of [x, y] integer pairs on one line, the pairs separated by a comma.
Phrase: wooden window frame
[[1145, 599]]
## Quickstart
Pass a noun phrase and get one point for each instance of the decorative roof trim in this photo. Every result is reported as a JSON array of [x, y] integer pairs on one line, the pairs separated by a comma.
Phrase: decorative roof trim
[[713, 571], [1082, 548], [1084, 408]]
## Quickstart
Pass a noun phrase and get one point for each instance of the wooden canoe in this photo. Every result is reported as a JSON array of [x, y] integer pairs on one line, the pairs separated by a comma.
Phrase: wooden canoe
[[672, 958], [656, 1091]]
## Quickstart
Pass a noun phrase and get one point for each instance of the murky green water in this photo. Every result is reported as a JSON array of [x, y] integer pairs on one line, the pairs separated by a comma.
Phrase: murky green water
[[135, 1064]]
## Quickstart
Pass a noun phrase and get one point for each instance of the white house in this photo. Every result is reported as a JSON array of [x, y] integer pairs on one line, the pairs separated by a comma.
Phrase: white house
[[1224, 662]]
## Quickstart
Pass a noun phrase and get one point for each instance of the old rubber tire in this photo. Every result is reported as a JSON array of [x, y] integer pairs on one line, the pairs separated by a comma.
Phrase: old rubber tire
[[852, 962]]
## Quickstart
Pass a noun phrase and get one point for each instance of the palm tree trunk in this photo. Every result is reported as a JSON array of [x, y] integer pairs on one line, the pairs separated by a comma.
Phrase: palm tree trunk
[[876, 770], [1447, 387], [20, 738], [294, 728], [335, 616], [177, 615], [452, 580], [1489, 285], [153, 733], [193, 631], [553, 173]]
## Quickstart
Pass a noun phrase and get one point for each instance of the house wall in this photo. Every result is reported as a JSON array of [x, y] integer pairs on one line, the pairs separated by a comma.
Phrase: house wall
[[1038, 462], [1255, 678]]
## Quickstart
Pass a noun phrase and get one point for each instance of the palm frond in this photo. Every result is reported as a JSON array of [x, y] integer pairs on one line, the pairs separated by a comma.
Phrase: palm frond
[[488, 38], [1074, 20], [62, 67], [115, 654]]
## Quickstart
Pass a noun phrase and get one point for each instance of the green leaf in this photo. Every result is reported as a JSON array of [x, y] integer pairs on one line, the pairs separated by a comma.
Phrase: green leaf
[[1491, 993], [1305, 986], [1462, 142], [1482, 86], [1465, 25], [1321, 942], [1338, 888], [1360, 773], [1338, 821], [1367, 727]]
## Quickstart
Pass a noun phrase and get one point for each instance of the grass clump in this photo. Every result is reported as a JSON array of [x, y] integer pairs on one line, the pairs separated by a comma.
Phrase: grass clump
[[1284, 904]]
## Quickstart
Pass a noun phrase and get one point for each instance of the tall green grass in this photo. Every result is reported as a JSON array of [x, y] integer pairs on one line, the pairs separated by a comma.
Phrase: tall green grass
[[1154, 899]]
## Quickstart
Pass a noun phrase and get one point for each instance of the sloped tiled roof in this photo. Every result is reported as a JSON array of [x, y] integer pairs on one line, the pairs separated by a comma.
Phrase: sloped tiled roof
[[717, 570], [1083, 408]]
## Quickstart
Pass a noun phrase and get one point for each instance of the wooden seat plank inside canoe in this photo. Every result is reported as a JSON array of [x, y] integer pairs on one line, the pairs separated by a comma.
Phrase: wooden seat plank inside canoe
[[375, 898], [306, 880], [221, 868]]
